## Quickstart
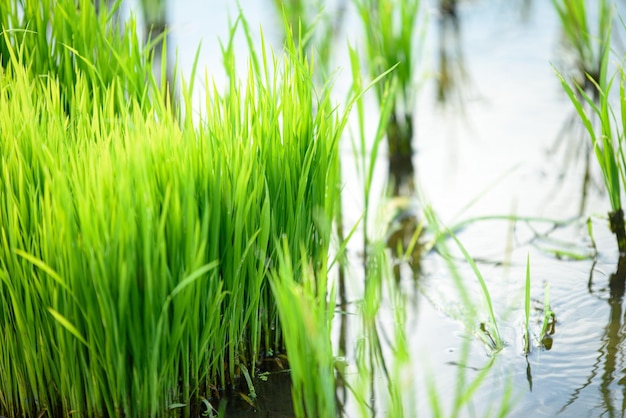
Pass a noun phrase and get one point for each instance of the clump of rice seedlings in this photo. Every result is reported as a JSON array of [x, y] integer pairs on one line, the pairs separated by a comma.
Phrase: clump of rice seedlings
[[306, 310], [66, 38], [589, 48], [391, 40], [135, 248], [586, 42], [606, 130]]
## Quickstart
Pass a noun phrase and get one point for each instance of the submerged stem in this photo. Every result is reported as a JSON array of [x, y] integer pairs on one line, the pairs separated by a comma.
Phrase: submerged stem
[[616, 221]]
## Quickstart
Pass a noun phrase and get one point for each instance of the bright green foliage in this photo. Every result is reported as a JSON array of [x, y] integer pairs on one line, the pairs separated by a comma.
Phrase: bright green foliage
[[527, 308], [67, 39], [135, 249], [606, 130], [294, 12], [306, 313], [390, 39]]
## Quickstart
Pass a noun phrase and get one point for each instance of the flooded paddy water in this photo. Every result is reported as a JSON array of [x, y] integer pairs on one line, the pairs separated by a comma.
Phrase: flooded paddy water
[[494, 135]]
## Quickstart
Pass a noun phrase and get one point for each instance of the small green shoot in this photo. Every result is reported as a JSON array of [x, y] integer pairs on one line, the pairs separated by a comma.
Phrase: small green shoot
[[527, 308], [549, 320]]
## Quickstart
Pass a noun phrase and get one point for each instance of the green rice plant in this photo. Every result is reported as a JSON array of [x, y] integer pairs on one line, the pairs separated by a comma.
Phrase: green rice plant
[[391, 40], [383, 380], [306, 309], [66, 38], [549, 320], [606, 131], [135, 248], [589, 48], [586, 42], [365, 156], [296, 14], [317, 29], [527, 308], [401, 384]]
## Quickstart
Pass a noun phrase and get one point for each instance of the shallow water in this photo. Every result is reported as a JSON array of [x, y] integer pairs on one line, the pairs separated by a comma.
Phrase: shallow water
[[502, 142]]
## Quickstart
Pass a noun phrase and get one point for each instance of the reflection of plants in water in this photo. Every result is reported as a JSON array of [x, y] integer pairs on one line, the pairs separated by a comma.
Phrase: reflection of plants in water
[[460, 397], [613, 341], [402, 229], [610, 350], [385, 368]]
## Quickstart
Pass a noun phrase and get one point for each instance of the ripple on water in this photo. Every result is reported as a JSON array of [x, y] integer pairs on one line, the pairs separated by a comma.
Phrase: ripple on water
[[580, 375]]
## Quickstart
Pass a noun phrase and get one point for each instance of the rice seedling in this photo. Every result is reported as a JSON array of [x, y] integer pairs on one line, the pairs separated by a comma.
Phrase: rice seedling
[[548, 323], [606, 131], [527, 308], [306, 310], [391, 40], [135, 248], [365, 156]]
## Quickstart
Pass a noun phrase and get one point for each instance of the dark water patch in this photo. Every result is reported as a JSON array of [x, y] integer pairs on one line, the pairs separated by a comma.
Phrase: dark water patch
[[273, 399]]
